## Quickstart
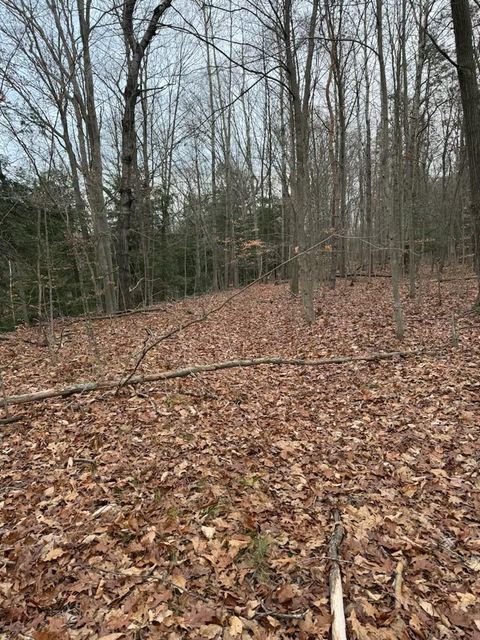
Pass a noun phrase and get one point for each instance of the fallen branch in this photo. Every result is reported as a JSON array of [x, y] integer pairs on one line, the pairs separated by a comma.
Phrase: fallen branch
[[441, 280], [201, 368], [387, 275], [148, 346], [366, 275], [281, 616], [10, 420], [116, 314], [335, 581]]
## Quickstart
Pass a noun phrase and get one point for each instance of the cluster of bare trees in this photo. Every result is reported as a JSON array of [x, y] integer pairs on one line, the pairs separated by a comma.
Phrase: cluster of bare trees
[[187, 146]]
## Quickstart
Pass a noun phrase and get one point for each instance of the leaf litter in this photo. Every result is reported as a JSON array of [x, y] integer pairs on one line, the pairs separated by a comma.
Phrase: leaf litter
[[200, 508]]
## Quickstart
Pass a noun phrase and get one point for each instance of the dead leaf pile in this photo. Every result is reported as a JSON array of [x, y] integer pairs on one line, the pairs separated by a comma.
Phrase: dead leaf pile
[[200, 508]]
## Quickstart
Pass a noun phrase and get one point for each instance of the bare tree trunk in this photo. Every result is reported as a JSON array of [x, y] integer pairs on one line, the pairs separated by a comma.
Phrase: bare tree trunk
[[332, 155], [467, 77], [368, 159], [412, 149], [146, 217], [213, 150], [135, 51], [339, 126], [384, 178], [94, 177], [300, 105]]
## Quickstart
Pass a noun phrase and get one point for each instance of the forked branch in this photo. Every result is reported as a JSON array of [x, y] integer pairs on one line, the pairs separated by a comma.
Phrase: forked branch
[[85, 387]]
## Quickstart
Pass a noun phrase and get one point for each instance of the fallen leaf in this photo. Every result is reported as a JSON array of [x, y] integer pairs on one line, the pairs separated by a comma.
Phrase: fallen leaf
[[179, 580], [210, 631], [285, 593], [208, 532], [236, 626], [53, 554], [427, 607]]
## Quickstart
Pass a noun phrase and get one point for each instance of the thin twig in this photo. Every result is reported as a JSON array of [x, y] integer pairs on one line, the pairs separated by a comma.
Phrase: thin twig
[[281, 616], [148, 347]]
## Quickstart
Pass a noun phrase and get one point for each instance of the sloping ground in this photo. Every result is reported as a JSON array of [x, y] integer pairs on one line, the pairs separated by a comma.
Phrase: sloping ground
[[200, 508]]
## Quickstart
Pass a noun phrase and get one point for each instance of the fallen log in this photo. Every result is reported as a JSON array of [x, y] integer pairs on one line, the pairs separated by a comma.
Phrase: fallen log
[[335, 581], [366, 275], [116, 314], [10, 420], [85, 387], [441, 280]]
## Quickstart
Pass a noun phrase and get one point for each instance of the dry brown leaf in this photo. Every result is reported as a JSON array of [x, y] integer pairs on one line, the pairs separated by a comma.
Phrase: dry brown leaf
[[210, 631], [149, 537], [179, 580], [208, 532], [474, 563], [236, 626], [427, 607], [286, 593], [359, 631], [53, 554], [466, 600]]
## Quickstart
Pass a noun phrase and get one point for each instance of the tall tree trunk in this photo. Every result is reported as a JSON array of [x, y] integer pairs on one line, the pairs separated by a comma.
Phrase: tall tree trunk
[[94, 173], [368, 176], [213, 150], [300, 106], [333, 159], [467, 77], [413, 133], [135, 51], [384, 177]]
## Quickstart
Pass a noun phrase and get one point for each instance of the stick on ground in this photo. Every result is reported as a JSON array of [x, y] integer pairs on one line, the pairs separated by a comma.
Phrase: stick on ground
[[335, 581], [37, 396], [10, 420], [149, 345]]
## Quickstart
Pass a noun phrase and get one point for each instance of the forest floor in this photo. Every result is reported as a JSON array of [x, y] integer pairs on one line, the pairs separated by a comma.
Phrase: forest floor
[[201, 508]]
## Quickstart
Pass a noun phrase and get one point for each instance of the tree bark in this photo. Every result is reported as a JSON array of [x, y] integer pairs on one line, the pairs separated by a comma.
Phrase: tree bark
[[135, 53], [385, 213], [467, 77], [94, 175], [300, 110]]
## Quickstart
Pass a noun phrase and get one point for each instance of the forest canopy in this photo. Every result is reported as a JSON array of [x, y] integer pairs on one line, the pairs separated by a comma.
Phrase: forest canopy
[[153, 152]]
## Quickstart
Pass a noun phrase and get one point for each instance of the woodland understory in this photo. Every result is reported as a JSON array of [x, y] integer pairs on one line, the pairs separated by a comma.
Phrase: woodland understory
[[201, 507]]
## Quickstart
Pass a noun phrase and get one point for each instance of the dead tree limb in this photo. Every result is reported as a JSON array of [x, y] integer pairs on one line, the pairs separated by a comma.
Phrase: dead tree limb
[[117, 314], [85, 387], [10, 420], [441, 280], [335, 580], [171, 332]]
